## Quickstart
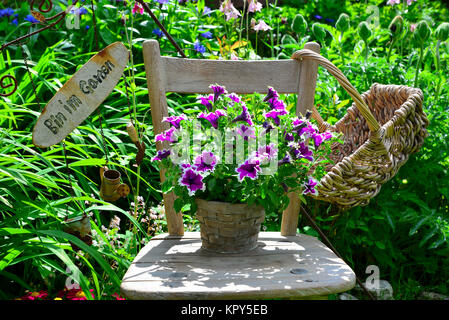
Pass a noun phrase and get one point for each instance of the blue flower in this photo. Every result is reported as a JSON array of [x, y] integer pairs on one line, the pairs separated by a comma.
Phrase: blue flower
[[6, 12], [158, 32], [162, 1], [318, 17], [15, 21], [206, 11], [31, 19], [199, 47], [207, 34], [87, 27], [82, 11]]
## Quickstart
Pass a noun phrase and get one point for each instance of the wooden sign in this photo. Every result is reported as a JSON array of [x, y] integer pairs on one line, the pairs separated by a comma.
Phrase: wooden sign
[[81, 95]]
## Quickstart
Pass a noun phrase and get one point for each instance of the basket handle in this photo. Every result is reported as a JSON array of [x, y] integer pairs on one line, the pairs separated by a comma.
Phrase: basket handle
[[344, 82]]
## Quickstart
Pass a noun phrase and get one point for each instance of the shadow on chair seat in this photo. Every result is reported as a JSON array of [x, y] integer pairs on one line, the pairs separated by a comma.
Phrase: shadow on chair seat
[[280, 267]]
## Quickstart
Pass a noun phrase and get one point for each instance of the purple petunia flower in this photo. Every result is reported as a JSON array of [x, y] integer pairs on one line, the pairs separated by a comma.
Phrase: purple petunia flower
[[304, 127], [309, 187], [185, 166], [192, 180], [161, 154], [245, 132], [301, 151], [174, 121], [320, 138], [168, 135], [235, 98], [288, 136], [286, 160], [205, 162], [268, 127], [244, 116], [250, 168], [272, 94], [206, 101], [199, 47], [218, 91], [276, 104], [212, 117], [274, 114], [269, 151]]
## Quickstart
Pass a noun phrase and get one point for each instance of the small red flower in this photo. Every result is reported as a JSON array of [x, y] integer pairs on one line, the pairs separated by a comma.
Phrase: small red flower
[[117, 296], [38, 295]]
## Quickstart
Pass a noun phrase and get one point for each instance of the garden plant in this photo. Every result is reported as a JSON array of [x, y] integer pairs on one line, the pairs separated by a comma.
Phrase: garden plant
[[403, 231]]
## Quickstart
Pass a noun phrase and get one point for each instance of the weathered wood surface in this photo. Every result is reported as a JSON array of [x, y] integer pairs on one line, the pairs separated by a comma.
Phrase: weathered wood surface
[[81, 95], [155, 72], [241, 77], [306, 97], [171, 267]]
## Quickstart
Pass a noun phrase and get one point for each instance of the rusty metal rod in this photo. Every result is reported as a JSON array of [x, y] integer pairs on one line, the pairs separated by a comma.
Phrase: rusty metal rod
[[329, 244], [61, 16], [169, 37]]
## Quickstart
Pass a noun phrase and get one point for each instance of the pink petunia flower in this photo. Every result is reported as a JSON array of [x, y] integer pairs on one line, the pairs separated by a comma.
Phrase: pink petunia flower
[[174, 120], [212, 117], [168, 135]]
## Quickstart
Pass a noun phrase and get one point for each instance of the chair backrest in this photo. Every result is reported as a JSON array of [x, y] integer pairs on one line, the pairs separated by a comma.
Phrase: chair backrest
[[167, 74]]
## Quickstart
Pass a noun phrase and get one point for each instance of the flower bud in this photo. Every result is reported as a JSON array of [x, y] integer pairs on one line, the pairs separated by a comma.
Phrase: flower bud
[[396, 26], [132, 132], [319, 32], [288, 39], [422, 32], [299, 24], [442, 32], [342, 24], [364, 31]]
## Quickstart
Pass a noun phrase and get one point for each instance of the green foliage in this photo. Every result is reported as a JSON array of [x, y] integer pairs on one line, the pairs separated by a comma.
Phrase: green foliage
[[404, 229]]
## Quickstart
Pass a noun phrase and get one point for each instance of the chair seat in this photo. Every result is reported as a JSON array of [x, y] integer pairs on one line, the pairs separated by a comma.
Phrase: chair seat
[[173, 267]]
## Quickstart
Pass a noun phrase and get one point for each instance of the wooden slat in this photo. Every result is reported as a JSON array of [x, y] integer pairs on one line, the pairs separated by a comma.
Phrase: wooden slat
[[156, 90], [196, 75], [281, 267], [306, 97]]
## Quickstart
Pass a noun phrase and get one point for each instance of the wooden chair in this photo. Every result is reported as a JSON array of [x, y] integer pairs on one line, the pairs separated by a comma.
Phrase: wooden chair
[[286, 264]]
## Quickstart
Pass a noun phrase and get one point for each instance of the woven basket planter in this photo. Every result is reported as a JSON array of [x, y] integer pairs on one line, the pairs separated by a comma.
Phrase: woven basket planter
[[228, 227], [380, 131]]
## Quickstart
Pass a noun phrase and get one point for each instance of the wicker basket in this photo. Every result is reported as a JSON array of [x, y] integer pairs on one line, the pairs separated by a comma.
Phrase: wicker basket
[[381, 129], [228, 227]]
